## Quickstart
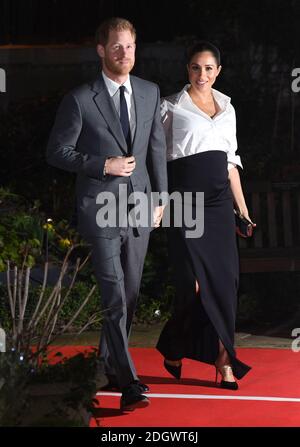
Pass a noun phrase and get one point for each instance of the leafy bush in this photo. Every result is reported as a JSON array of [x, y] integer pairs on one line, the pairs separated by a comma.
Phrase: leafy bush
[[82, 375], [25, 128], [75, 299], [27, 236]]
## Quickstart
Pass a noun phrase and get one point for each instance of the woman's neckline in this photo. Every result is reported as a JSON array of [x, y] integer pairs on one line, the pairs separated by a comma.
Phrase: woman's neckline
[[218, 108]]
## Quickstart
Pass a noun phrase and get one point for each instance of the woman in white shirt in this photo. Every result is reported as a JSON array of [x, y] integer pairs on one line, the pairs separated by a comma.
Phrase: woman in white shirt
[[200, 128]]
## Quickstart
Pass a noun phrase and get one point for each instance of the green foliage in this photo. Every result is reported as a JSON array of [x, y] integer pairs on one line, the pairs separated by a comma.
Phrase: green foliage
[[75, 299], [156, 292], [14, 373], [149, 311], [25, 231], [5, 319], [24, 130], [81, 373], [20, 240]]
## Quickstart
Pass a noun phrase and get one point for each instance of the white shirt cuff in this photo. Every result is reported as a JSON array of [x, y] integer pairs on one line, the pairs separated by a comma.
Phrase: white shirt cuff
[[231, 166], [234, 160]]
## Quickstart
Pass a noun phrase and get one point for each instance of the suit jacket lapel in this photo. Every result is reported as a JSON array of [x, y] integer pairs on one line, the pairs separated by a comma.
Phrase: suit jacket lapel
[[107, 109], [139, 100]]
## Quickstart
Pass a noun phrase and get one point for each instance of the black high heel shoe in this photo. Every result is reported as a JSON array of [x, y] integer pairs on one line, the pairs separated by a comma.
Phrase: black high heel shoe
[[224, 370], [175, 371]]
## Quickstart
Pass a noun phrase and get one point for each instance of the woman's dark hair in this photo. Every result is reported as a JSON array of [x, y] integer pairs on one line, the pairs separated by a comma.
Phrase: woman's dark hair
[[199, 47]]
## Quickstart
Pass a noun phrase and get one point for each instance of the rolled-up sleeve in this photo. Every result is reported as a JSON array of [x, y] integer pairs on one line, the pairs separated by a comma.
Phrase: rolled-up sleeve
[[232, 158], [166, 120], [163, 110]]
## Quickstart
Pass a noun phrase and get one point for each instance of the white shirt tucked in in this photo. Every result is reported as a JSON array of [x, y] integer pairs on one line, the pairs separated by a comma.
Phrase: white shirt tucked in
[[114, 92], [189, 130]]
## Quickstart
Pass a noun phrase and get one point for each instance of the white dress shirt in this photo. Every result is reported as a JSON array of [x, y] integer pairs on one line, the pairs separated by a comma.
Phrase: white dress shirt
[[114, 92], [189, 130]]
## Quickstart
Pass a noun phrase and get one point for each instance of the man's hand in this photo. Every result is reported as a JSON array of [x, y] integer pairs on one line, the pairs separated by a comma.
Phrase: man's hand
[[121, 166], [157, 215]]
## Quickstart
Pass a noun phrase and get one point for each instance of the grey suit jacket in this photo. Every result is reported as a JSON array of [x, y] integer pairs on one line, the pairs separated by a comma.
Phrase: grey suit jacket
[[87, 130]]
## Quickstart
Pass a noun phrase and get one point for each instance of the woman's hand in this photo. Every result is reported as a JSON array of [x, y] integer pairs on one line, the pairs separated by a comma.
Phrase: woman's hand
[[238, 195], [244, 212], [157, 215]]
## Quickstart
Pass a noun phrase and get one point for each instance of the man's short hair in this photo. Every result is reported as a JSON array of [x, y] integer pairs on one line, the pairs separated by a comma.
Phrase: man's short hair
[[113, 24]]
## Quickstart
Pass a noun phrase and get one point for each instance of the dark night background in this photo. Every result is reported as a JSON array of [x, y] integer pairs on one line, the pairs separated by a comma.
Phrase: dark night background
[[46, 48], [239, 22], [259, 42]]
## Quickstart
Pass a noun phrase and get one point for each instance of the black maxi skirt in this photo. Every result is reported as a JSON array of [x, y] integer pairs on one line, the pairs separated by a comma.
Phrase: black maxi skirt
[[198, 321]]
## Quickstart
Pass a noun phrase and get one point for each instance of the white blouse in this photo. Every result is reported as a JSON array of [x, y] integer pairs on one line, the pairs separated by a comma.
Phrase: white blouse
[[189, 130]]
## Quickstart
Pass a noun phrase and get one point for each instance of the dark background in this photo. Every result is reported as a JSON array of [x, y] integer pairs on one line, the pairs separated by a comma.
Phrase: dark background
[[272, 22], [259, 43]]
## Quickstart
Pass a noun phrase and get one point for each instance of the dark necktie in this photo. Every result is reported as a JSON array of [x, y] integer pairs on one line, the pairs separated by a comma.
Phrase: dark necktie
[[124, 118]]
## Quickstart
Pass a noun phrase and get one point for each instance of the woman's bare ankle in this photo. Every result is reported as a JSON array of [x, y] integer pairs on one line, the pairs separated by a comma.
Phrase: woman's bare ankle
[[173, 362]]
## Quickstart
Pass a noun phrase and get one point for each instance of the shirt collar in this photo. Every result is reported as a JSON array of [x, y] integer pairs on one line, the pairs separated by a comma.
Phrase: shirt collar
[[113, 86], [222, 100]]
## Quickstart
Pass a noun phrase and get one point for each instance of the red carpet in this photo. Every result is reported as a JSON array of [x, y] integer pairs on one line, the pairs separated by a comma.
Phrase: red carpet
[[275, 373], [265, 397]]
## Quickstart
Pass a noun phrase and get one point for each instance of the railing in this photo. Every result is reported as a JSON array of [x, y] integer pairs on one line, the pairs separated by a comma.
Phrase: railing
[[275, 246]]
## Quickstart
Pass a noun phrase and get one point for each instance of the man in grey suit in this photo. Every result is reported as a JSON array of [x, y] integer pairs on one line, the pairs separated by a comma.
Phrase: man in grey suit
[[110, 134]]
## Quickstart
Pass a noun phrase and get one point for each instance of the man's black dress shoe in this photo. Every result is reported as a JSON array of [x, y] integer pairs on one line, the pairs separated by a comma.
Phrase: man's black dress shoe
[[132, 398], [112, 385], [142, 386]]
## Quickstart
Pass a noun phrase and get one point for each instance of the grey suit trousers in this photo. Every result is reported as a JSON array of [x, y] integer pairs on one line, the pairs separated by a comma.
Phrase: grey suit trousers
[[118, 267]]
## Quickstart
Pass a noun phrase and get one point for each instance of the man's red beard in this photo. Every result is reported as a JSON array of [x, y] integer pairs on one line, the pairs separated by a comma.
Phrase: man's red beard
[[117, 68]]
